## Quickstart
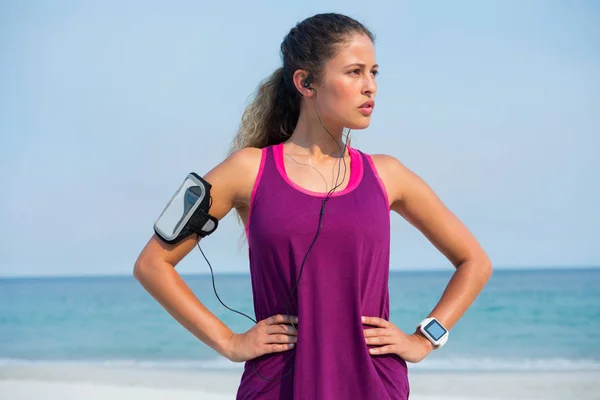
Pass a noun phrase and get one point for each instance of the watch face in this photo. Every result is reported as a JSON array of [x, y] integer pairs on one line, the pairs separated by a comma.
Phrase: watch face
[[435, 330]]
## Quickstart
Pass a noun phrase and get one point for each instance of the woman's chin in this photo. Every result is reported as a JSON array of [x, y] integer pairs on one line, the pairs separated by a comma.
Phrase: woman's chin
[[358, 125]]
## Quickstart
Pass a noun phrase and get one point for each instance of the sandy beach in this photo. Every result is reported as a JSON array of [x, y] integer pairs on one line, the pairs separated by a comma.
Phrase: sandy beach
[[75, 382]]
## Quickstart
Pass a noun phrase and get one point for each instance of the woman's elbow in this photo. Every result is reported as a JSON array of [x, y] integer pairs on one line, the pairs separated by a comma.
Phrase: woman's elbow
[[137, 269], [141, 267], [479, 266], [484, 267]]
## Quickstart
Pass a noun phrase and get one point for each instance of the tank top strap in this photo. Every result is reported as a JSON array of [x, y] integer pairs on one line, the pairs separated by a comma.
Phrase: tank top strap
[[371, 178], [267, 179]]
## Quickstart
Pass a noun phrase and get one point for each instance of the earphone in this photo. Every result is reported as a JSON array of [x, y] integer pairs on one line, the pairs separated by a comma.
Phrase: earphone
[[306, 85], [307, 82]]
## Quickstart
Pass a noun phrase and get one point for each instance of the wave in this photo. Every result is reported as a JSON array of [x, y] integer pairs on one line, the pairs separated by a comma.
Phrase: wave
[[211, 364], [432, 365], [507, 364]]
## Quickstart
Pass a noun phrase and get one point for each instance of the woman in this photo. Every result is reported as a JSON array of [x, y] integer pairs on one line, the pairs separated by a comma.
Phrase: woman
[[317, 220]]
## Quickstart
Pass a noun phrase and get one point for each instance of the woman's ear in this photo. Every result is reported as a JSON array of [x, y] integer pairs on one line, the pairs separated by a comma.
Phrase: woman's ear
[[302, 82]]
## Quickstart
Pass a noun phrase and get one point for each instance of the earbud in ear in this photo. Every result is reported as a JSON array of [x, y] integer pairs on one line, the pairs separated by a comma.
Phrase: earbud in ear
[[307, 82]]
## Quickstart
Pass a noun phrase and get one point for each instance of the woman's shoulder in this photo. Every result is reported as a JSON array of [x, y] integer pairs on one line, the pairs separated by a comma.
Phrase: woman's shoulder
[[395, 176], [247, 156], [385, 163], [244, 162], [243, 166]]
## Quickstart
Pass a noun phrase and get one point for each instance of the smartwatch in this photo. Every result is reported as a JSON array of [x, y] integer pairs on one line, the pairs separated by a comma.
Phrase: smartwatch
[[433, 330]]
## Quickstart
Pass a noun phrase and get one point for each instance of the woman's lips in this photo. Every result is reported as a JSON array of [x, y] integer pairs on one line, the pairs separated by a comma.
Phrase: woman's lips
[[366, 110], [367, 107]]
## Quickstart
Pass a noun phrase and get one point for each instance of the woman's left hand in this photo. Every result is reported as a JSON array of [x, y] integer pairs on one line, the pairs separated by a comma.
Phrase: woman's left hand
[[412, 348]]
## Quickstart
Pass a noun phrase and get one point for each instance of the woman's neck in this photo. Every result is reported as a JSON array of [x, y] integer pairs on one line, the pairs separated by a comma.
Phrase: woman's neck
[[311, 138]]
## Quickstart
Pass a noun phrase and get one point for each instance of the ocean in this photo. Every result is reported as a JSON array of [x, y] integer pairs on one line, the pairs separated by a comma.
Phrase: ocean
[[526, 320]]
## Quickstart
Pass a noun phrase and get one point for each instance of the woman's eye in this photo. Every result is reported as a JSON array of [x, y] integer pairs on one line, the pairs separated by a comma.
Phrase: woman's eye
[[355, 71], [375, 73]]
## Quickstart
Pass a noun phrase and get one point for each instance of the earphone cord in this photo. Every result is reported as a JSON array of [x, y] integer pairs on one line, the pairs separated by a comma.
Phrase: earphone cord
[[321, 214]]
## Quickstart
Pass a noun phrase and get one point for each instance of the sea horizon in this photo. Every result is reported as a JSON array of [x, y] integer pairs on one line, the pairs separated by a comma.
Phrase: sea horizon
[[498, 269]]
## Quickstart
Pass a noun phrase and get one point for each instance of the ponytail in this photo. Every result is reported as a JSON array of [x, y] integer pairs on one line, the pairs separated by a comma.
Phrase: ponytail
[[272, 115]]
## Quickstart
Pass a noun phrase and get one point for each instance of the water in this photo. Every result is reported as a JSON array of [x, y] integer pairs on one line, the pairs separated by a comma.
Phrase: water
[[536, 320]]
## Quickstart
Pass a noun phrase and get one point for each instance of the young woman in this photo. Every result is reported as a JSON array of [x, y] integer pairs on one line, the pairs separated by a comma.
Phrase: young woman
[[317, 218]]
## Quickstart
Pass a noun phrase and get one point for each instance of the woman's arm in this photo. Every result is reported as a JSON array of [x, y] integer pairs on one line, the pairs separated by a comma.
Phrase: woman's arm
[[413, 199], [231, 182]]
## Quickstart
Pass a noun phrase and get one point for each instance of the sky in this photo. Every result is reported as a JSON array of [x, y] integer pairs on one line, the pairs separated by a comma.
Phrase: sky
[[105, 108]]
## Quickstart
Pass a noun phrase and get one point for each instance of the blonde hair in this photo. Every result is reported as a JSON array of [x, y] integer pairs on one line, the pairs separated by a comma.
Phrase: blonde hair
[[266, 121]]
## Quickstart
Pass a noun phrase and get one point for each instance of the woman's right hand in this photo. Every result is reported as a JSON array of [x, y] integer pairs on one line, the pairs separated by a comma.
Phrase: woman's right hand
[[271, 335]]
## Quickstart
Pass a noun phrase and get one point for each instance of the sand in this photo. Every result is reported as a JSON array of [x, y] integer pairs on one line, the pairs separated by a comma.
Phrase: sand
[[49, 382]]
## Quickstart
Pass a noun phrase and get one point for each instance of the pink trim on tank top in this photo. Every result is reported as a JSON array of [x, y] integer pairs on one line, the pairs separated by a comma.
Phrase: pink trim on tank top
[[381, 184], [258, 177], [356, 172]]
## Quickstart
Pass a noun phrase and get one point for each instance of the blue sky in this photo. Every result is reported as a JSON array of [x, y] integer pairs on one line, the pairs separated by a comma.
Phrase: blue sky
[[104, 108]]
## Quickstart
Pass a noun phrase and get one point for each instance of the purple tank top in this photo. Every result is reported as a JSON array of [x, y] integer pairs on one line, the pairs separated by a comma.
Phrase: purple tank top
[[344, 277]]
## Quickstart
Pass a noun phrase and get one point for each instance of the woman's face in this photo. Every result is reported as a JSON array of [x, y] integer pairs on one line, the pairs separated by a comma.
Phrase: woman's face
[[346, 91]]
